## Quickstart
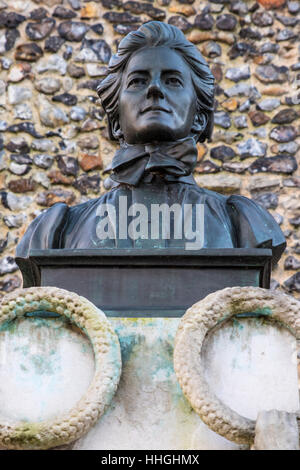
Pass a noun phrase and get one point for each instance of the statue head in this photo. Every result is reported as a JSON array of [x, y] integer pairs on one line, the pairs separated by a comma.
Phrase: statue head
[[158, 87]]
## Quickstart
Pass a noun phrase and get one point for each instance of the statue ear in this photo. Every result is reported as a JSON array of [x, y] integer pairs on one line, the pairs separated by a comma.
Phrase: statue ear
[[116, 130], [199, 124]]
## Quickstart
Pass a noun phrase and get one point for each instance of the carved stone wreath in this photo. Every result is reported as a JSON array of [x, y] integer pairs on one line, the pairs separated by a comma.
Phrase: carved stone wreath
[[73, 424], [194, 326]]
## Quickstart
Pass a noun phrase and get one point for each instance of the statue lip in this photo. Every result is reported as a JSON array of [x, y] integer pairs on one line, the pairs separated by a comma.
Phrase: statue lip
[[154, 107]]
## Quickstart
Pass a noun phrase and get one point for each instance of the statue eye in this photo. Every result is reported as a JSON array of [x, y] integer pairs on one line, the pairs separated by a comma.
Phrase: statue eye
[[137, 82], [173, 81]]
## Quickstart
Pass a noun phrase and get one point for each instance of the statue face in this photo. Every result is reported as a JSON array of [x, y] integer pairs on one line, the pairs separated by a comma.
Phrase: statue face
[[157, 100]]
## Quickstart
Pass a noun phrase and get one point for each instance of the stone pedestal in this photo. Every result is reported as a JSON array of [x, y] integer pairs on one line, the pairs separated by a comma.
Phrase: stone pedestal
[[46, 366]]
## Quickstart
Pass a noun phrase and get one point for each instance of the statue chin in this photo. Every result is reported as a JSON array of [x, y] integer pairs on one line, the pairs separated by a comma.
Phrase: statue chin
[[155, 132]]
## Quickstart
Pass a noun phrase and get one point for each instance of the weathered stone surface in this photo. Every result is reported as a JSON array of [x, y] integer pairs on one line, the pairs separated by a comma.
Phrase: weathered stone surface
[[88, 142], [15, 203], [91, 162], [267, 200], [14, 221], [77, 113], [75, 71], [72, 30], [120, 18], [291, 263], [180, 22], [52, 116], [258, 118], [124, 29], [43, 160], [27, 127], [222, 119], [48, 85], [293, 7], [48, 198], [262, 18], [21, 111], [8, 265], [280, 164], [223, 153], [207, 167], [276, 430], [21, 185], [269, 47], [10, 283], [85, 184], [18, 94], [226, 22], [68, 165], [19, 169], [238, 73], [40, 30], [243, 89], [53, 43], [241, 49], [65, 98], [54, 63], [225, 184], [251, 148], [63, 13], [285, 35], [43, 145], [139, 7], [204, 21], [283, 133], [289, 147], [240, 122], [292, 284], [99, 47], [211, 49], [11, 19], [97, 28], [268, 104], [271, 73], [38, 14], [30, 52], [285, 116], [250, 33]]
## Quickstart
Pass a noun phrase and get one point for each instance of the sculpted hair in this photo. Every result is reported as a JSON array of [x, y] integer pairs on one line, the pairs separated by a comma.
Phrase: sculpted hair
[[154, 34]]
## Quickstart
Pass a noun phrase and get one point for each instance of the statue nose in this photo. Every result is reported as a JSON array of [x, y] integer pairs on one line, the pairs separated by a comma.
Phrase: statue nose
[[155, 89]]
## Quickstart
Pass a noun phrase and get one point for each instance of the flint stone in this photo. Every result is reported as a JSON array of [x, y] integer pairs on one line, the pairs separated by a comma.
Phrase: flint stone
[[30, 52], [96, 70], [289, 147], [72, 30], [15, 203], [11, 35], [76, 4], [22, 111], [53, 63], [139, 8], [292, 284], [287, 20], [204, 21], [211, 49], [53, 43], [223, 153], [238, 73], [22, 185], [19, 170], [241, 49], [18, 72], [293, 182], [207, 167], [295, 222], [291, 263], [68, 165], [239, 8], [48, 85], [226, 22], [85, 183], [3, 127], [75, 71], [68, 52], [285, 35], [9, 284], [120, 18], [77, 113], [222, 119], [280, 164], [240, 122], [48, 198], [18, 94], [125, 29], [52, 116], [97, 28], [11, 19], [180, 22], [41, 178], [262, 18], [27, 127], [63, 13], [283, 133], [43, 145], [66, 98], [245, 106], [268, 104], [235, 167], [43, 160], [8, 265], [40, 30], [100, 48], [38, 14], [89, 84], [250, 33], [285, 116], [21, 158], [6, 63], [251, 148], [271, 73], [14, 221], [243, 89], [269, 47], [267, 200], [17, 145], [293, 7], [258, 118]]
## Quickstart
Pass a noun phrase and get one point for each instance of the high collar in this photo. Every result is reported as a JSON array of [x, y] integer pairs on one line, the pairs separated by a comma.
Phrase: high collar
[[174, 161]]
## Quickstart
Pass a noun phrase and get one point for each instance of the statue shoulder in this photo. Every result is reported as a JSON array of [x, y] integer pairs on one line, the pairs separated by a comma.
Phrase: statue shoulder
[[255, 227], [44, 232]]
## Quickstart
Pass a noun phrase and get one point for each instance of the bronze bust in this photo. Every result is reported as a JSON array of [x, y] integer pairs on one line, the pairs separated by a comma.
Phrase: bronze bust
[[158, 95]]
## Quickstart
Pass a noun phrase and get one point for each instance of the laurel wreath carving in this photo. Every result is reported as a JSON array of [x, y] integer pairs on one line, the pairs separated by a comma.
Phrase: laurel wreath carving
[[73, 424], [194, 326]]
